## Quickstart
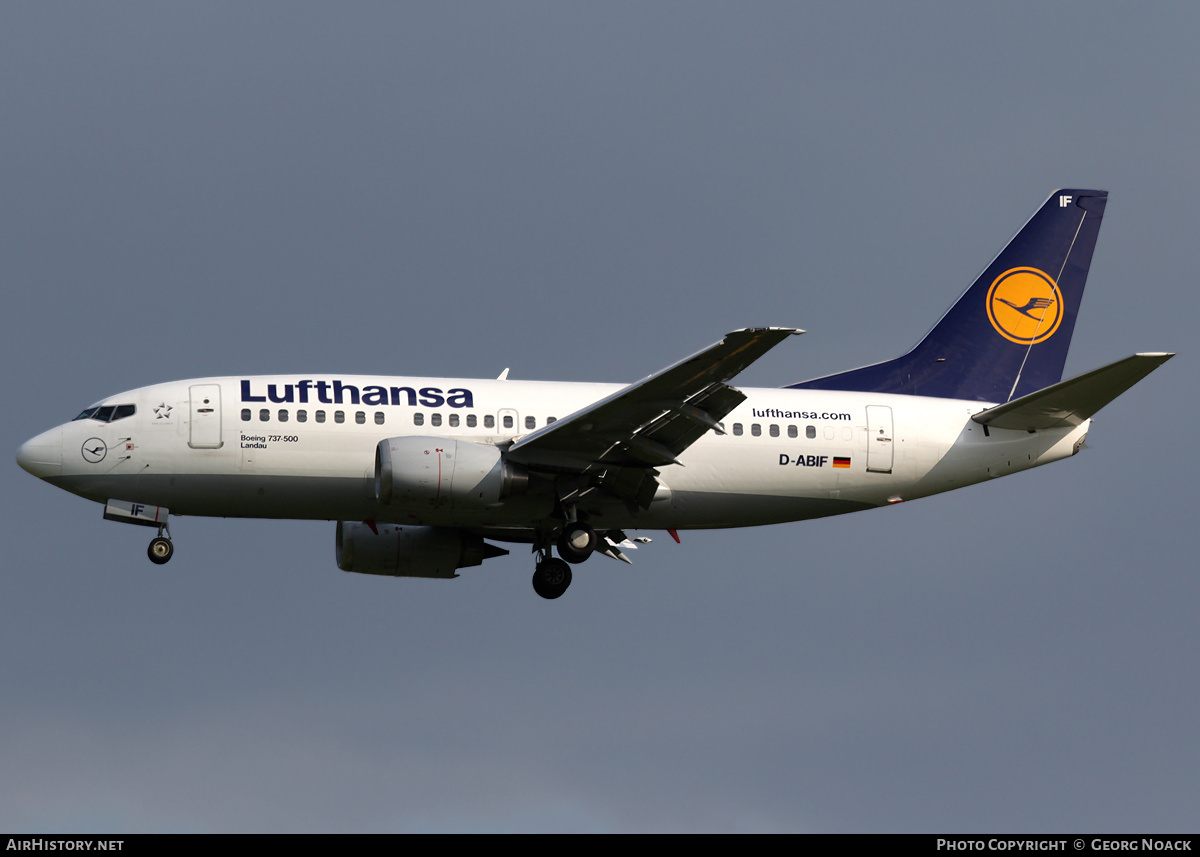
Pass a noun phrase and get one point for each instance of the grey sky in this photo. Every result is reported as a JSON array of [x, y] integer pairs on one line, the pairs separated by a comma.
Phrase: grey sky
[[590, 192]]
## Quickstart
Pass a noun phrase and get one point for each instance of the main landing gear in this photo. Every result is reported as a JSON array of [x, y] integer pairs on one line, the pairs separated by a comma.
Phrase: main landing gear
[[552, 576]]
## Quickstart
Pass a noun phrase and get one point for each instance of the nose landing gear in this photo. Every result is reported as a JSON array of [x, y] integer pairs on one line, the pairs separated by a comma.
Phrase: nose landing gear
[[160, 550], [145, 515]]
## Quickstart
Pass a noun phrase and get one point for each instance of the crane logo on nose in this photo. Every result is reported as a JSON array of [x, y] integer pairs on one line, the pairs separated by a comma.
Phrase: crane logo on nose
[[94, 450], [1024, 305]]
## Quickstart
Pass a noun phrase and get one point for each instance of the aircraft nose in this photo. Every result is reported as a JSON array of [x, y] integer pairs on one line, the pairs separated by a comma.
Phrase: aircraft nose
[[42, 455]]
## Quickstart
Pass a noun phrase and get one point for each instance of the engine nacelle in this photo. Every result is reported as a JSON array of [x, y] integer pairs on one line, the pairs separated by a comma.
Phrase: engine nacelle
[[404, 551], [436, 471]]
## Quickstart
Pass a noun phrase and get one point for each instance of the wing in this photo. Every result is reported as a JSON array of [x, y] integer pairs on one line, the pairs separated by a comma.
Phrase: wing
[[618, 441]]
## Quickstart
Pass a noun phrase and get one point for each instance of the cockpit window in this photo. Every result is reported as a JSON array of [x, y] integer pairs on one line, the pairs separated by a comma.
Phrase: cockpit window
[[108, 413]]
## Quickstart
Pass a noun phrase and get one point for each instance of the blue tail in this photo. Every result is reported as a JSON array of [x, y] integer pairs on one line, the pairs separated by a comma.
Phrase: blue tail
[[1008, 334]]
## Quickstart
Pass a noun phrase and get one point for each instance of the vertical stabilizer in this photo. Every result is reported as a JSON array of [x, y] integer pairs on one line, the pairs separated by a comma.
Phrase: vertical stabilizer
[[1008, 334]]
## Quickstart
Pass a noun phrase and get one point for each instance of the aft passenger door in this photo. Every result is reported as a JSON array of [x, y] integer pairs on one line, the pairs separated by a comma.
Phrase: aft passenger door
[[205, 425], [879, 439]]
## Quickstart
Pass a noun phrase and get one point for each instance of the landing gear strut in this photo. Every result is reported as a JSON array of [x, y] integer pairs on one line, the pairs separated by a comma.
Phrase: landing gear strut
[[551, 577], [576, 542]]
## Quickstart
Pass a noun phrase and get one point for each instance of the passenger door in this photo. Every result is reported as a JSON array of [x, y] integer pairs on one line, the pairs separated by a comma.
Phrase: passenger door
[[880, 450], [205, 426]]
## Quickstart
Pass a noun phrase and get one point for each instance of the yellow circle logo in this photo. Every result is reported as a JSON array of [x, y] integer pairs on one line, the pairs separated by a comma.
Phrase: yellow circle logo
[[1024, 305]]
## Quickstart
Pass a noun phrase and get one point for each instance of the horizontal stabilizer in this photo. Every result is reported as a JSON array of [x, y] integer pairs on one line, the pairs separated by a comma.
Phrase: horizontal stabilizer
[[1069, 403]]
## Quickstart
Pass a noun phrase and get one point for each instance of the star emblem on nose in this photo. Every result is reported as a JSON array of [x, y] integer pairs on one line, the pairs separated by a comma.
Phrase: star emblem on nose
[[162, 412]]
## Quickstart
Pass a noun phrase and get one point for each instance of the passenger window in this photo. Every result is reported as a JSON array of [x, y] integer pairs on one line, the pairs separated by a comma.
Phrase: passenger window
[[418, 419], [530, 422], [737, 429], [810, 432], [301, 416], [264, 415], [245, 415], [435, 419], [551, 420], [339, 416], [283, 415], [320, 416], [471, 421], [360, 418], [756, 430], [774, 431], [508, 421], [792, 432], [489, 421], [379, 418], [453, 420]]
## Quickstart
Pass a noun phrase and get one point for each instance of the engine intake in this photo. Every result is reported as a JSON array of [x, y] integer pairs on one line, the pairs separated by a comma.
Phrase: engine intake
[[436, 471]]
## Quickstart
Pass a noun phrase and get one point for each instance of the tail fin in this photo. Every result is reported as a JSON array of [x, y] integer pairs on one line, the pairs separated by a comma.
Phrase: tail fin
[[1008, 334]]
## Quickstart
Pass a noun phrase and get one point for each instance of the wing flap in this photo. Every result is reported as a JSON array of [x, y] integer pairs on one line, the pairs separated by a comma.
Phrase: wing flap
[[1069, 403]]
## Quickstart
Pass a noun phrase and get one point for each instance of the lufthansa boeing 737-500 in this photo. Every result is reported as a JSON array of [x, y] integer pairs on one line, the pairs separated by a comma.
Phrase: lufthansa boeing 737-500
[[424, 475]]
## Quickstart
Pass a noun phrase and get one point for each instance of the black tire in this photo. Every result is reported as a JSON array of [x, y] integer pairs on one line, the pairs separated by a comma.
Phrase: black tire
[[160, 550], [577, 542], [551, 578]]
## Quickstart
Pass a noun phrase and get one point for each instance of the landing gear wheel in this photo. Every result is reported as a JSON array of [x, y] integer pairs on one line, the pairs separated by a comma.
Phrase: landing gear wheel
[[160, 550], [577, 542], [551, 578]]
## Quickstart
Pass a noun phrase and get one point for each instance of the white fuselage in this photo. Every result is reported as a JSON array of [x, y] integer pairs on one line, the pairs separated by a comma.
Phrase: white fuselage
[[303, 446]]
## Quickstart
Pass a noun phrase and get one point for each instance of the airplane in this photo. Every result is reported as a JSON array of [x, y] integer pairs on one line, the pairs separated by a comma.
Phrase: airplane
[[424, 475]]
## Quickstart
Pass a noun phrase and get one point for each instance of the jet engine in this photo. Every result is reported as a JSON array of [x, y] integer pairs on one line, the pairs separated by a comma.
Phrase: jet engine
[[436, 471], [404, 551]]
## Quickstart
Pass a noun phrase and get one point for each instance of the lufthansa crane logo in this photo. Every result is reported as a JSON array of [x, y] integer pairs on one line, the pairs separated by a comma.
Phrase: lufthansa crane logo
[[1024, 305], [94, 450]]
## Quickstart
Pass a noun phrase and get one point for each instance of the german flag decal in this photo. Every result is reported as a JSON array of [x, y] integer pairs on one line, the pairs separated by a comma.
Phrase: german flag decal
[[841, 462]]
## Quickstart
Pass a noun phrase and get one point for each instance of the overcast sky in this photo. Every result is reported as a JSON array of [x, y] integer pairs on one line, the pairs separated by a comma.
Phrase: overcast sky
[[591, 192]]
